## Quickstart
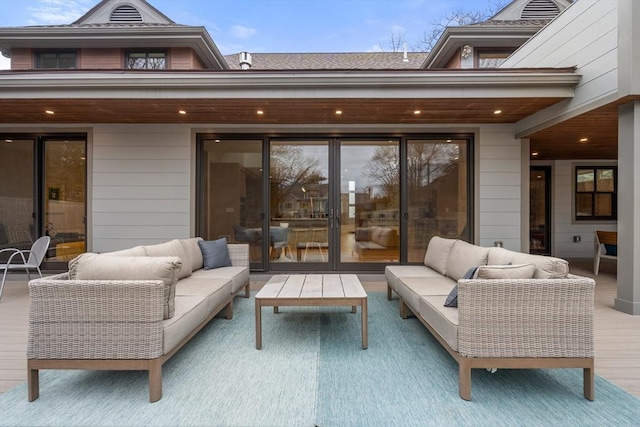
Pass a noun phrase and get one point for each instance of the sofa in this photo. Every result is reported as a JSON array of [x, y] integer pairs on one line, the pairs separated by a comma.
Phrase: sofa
[[131, 309], [514, 310], [376, 243]]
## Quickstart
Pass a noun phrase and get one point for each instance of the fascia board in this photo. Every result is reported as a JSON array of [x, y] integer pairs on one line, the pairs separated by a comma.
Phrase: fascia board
[[287, 85], [125, 37]]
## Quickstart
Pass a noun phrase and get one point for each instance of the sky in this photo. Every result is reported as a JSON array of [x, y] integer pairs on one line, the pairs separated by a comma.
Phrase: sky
[[271, 26]]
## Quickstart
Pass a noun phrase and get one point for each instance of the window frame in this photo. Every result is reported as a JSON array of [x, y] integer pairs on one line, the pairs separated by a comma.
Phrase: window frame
[[479, 51], [38, 58], [146, 52], [594, 192]]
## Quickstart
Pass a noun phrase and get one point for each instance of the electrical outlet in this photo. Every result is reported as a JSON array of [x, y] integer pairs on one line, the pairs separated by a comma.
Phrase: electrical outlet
[[577, 239]]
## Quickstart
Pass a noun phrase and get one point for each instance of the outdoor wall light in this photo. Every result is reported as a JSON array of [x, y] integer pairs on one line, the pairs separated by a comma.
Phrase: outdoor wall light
[[466, 51]]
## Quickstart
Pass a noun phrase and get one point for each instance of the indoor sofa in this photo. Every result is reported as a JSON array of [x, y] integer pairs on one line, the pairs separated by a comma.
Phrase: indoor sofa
[[515, 311], [376, 244], [131, 309]]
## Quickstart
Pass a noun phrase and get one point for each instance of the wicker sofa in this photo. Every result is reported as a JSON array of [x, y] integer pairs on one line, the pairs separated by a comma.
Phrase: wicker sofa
[[129, 310], [542, 319]]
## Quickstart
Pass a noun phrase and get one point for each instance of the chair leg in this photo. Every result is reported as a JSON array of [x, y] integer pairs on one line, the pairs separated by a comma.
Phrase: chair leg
[[596, 265], [4, 278]]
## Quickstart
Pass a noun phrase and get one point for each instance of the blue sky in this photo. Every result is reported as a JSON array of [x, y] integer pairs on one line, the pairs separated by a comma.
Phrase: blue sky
[[274, 25]]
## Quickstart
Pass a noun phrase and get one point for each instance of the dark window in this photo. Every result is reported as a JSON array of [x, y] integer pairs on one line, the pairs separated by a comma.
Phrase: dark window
[[596, 188], [56, 59], [143, 60]]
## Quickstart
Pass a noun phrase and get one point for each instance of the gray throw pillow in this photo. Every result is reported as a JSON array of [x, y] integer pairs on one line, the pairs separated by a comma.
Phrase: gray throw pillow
[[452, 298], [215, 253]]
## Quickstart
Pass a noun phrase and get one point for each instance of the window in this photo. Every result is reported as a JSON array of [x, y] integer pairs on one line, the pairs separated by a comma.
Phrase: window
[[143, 60], [56, 59], [596, 188], [492, 58]]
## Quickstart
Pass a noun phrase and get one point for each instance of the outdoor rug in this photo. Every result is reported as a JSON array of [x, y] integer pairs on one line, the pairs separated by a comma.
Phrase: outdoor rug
[[312, 371]]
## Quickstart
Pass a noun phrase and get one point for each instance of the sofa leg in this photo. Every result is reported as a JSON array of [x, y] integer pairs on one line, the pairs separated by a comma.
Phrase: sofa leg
[[247, 291], [229, 311], [33, 383], [589, 383], [403, 309], [389, 293], [155, 381], [464, 378]]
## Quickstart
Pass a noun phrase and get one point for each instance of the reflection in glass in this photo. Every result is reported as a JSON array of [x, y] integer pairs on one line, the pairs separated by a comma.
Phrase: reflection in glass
[[437, 193], [64, 198], [539, 216], [370, 201], [232, 193], [16, 195], [299, 201]]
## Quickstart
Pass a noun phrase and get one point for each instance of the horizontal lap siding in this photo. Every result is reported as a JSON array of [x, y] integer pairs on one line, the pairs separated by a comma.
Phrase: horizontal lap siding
[[141, 185], [499, 187]]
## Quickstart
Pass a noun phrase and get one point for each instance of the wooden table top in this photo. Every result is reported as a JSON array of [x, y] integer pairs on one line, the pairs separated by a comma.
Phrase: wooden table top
[[312, 286]]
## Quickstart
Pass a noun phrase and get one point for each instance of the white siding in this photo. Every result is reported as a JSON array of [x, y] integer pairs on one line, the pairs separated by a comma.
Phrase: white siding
[[564, 228], [500, 189], [141, 185], [585, 36]]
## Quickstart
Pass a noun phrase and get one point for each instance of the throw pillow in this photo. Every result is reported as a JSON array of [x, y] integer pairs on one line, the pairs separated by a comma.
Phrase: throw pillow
[[518, 271], [611, 250], [215, 253], [452, 298]]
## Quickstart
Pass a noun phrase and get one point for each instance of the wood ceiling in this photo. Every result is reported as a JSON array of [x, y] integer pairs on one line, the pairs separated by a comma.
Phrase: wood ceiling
[[561, 141]]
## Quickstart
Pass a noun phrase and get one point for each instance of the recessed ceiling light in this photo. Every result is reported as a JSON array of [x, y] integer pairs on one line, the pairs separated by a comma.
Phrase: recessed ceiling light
[[416, 112], [497, 112], [182, 112], [535, 153], [49, 111], [8, 141], [584, 139], [217, 141], [448, 140], [338, 112], [259, 112]]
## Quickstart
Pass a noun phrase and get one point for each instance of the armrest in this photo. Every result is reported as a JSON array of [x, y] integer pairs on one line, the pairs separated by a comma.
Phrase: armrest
[[239, 254], [94, 319], [526, 318]]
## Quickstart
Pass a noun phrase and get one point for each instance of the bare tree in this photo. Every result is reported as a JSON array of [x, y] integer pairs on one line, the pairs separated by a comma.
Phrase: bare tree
[[454, 18], [396, 41]]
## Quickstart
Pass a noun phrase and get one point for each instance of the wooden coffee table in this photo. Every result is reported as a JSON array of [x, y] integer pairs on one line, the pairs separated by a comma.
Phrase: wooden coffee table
[[312, 290]]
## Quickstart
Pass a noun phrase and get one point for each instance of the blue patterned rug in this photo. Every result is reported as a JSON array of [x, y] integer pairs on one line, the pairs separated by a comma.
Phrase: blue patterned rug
[[313, 371]]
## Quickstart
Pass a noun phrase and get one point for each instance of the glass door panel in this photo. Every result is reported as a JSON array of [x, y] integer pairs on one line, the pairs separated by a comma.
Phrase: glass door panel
[[369, 222], [539, 212], [232, 193], [299, 210], [437, 193], [17, 228], [64, 198]]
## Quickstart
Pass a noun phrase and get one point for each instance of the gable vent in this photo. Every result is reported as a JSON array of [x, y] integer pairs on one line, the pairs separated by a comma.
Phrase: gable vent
[[125, 14], [540, 9]]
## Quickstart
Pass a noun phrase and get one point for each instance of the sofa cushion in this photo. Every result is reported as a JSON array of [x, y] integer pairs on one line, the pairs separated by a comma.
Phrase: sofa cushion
[[438, 253], [171, 248], [215, 253], [547, 267], [193, 251], [238, 275], [463, 256], [411, 289], [99, 267], [443, 320], [511, 271], [135, 251], [362, 234]]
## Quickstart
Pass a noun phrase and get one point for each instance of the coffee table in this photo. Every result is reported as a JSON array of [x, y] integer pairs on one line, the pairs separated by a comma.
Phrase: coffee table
[[312, 290]]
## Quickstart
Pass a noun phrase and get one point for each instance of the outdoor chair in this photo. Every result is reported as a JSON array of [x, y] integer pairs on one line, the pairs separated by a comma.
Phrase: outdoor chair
[[608, 240], [17, 260]]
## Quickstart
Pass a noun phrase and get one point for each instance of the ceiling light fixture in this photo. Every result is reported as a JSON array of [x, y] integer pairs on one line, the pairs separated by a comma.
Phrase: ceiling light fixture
[[259, 112], [497, 112], [217, 141], [182, 112], [535, 153], [338, 112], [416, 112], [49, 111], [448, 140], [584, 139], [8, 141]]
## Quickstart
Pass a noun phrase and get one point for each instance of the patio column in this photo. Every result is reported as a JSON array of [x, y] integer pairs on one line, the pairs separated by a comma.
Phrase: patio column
[[628, 297]]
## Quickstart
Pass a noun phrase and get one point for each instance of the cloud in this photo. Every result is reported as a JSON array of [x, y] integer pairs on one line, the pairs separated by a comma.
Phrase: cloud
[[58, 11], [242, 32]]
